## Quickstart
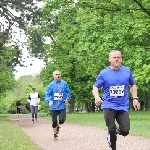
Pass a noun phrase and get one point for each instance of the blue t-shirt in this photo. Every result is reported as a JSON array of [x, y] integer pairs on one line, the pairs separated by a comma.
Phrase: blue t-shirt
[[115, 84]]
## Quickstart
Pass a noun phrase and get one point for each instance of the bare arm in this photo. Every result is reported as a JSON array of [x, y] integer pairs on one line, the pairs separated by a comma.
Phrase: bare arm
[[133, 90], [95, 92]]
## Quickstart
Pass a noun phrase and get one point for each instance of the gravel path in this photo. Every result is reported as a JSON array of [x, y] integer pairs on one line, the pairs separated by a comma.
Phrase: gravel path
[[75, 137]]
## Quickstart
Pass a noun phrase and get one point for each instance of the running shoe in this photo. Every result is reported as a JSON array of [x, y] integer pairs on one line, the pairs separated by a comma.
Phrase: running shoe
[[55, 137], [108, 140]]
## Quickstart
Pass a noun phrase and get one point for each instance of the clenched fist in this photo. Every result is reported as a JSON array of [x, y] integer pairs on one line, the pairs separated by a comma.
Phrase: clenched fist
[[50, 103]]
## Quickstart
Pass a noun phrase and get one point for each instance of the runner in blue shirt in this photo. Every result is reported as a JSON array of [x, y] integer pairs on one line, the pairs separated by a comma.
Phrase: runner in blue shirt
[[57, 96], [116, 81]]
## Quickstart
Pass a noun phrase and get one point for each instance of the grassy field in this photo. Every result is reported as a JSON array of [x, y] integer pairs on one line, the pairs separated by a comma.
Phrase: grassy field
[[140, 121], [13, 138]]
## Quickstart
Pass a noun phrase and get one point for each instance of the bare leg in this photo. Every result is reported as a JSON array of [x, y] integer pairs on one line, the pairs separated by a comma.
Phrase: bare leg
[[54, 130]]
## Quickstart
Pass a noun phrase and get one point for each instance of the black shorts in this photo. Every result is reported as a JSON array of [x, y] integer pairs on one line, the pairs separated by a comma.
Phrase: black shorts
[[60, 113], [18, 110], [121, 117]]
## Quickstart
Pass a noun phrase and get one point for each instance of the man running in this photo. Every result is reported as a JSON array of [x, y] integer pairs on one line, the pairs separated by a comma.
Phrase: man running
[[34, 100], [115, 80], [57, 96]]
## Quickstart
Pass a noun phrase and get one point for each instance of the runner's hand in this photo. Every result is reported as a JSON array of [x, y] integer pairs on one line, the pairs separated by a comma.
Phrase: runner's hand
[[50, 103], [66, 102], [136, 104], [98, 101]]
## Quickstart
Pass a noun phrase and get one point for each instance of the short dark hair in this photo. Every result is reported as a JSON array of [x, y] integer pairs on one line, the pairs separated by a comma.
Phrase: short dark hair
[[33, 89]]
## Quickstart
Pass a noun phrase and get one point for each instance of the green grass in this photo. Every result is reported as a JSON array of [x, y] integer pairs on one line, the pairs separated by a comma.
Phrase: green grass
[[13, 138], [139, 121], [88, 119]]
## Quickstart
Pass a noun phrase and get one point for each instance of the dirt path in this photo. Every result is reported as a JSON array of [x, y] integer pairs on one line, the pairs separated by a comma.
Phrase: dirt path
[[75, 137]]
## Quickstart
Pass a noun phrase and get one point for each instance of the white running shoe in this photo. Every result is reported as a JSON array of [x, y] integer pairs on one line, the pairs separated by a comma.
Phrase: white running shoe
[[55, 137], [108, 140]]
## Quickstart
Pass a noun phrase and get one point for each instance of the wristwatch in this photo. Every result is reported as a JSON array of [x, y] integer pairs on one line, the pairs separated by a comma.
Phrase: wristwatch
[[136, 98]]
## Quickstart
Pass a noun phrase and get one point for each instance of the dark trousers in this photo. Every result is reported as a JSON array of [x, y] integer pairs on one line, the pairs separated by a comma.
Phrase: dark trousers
[[58, 113], [18, 110], [122, 118]]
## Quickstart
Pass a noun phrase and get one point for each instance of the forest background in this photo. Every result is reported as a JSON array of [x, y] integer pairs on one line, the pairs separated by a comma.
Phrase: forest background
[[76, 38]]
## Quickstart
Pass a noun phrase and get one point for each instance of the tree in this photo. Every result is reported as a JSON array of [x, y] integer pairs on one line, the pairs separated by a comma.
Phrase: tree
[[82, 35], [15, 17], [22, 90]]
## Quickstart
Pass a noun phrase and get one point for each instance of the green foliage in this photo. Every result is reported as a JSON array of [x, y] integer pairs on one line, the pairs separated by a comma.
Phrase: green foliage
[[7, 82], [6, 103], [19, 13], [139, 121], [15, 16], [22, 91], [7, 61], [82, 34], [12, 137]]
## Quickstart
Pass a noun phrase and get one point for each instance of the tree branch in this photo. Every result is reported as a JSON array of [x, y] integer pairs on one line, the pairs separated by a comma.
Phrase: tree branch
[[142, 7]]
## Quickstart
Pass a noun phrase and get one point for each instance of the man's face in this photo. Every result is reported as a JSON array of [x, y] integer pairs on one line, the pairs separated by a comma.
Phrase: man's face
[[115, 59], [57, 75]]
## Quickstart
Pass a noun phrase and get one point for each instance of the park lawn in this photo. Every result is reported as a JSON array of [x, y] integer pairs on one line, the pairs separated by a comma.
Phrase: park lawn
[[13, 138], [139, 121]]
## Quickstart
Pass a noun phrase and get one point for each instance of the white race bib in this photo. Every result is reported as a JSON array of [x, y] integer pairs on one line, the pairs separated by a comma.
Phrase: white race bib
[[116, 90], [58, 96]]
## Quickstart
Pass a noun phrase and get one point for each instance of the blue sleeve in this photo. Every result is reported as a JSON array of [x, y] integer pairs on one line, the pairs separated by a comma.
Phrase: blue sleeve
[[68, 93], [99, 81], [131, 79], [49, 94]]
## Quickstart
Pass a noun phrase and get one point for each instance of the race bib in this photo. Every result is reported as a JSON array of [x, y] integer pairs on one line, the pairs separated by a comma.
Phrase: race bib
[[116, 90], [58, 96]]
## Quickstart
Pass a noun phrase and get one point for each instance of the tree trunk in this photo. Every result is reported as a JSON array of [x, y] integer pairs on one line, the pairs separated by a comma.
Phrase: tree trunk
[[93, 107], [86, 107], [89, 107], [142, 105], [147, 104], [71, 107]]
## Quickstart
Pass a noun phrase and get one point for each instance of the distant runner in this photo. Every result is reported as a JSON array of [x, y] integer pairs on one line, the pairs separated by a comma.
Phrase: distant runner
[[18, 104]]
